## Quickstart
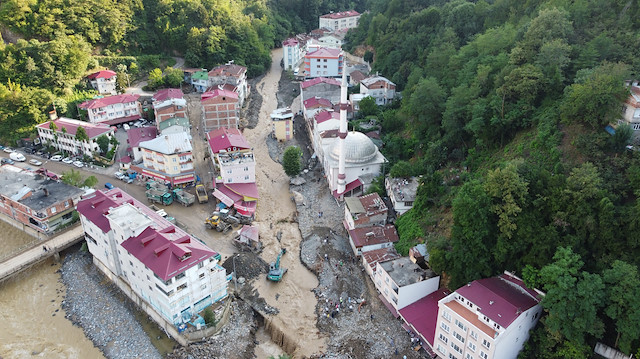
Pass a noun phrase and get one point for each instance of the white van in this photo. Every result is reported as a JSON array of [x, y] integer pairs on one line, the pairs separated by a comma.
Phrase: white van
[[16, 156]]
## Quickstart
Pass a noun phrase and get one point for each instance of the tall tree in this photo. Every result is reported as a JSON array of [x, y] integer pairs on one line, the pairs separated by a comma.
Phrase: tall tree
[[623, 302]]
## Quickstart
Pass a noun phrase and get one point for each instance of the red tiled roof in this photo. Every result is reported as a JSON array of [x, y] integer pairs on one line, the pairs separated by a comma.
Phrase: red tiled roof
[[227, 87], [500, 299], [137, 135], [372, 202], [109, 100], [102, 74], [71, 125], [223, 138], [325, 115], [422, 315], [95, 208], [247, 190], [357, 76], [380, 256], [218, 92], [319, 80], [228, 70], [351, 185], [317, 102], [290, 42], [125, 159], [340, 15], [324, 52], [166, 94], [380, 235]]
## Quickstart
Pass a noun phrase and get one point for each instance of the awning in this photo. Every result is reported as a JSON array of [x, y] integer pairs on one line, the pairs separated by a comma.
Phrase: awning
[[247, 209], [183, 179], [349, 187], [119, 120], [223, 197]]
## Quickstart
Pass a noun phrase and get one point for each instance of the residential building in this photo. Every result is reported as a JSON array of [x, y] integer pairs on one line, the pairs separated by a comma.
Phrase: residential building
[[313, 105], [241, 196], [324, 62], [418, 254], [113, 110], [104, 82], [333, 40], [35, 200], [174, 121], [173, 274], [168, 158], [61, 134], [488, 318], [219, 109], [188, 73], [230, 74], [282, 120], [137, 135], [339, 20], [320, 87], [355, 77], [226, 140], [402, 192], [366, 239], [631, 108], [167, 104], [370, 259], [421, 317], [292, 54], [364, 211], [380, 88], [402, 282], [200, 80], [236, 167]]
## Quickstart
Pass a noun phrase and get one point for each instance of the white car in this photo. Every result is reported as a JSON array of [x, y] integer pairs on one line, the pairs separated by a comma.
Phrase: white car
[[67, 160], [78, 164], [8, 150], [119, 175], [35, 162], [126, 127], [56, 158], [18, 157]]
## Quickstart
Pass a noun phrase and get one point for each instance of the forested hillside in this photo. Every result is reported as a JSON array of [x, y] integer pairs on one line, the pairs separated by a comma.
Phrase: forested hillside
[[503, 114]]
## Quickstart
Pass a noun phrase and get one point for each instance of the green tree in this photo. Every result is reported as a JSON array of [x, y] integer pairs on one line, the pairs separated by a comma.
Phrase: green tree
[[368, 107], [81, 134], [73, 178], [622, 137], [401, 169], [155, 78], [209, 317], [173, 77], [291, 161], [623, 302], [90, 182], [103, 143]]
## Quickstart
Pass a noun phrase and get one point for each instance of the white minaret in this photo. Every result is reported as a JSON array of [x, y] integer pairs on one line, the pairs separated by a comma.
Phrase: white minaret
[[342, 133]]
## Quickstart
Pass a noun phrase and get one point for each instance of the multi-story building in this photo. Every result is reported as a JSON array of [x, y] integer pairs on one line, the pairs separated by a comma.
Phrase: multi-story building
[[168, 157], [488, 318], [282, 120], [113, 110], [174, 274], [236, 167], [339, 20], [226, 140], [313, 105], [61, 134], [380, 88], [137, 135], [104, 82], [364, 211], [219, 109], [402, 192], [366, 239], [631, 108], [320, 87], [230, 74], [402, 282], [200, 80], [292, 54], [322, 124], [35, 200], [370, 259], [168, 104], [324, 62]]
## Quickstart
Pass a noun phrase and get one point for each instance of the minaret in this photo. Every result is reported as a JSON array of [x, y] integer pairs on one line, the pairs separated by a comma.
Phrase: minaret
[[342, 133]]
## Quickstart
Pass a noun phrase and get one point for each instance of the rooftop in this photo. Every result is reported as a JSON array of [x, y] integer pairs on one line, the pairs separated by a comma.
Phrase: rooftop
[[223, 138], [319, 80], [325, 115], [170, 143], [71, 126], [109, 100], [404, 189], [34, 191], [404, 272], [235, 158], [218, 92], [290, 42], [373, 79], [368, 204], [422, 315], [232, 70], [357, 76], [137, 135], [167, 94], [367, 236], [325, 52], [380, 256], [281, 114], [317, 102], [200, 75], [174, 121], [340, 15], [102, 74]]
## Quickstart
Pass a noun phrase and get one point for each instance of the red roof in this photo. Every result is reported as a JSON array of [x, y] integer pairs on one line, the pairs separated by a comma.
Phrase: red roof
[[232, 70], [125, 159], [502, 299], [317, 102], [223, 138], [290, 42], [357, 76], [422, 315], [340, 15], [137, 135], [351, 185], [244, 189], [167, 252], [109, 100], [166, 94], [95, 208], [376, 235], [92, 129], [102, 74], [218, 92], [319, 80], [325, 115], [324, 52], [380, 256]]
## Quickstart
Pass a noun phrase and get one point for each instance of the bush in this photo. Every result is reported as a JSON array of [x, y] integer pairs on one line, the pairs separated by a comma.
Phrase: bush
[[209, 317]]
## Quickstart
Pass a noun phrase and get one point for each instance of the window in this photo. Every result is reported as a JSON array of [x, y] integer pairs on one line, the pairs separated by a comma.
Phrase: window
[[458, 336], [53, 210], [468, 356], [442, 350], [461, 325], [444, 338], [200, 265], [181, 287], [483, 355], [486, 343], [445, 327], [451, 356], [201, 276], [446, 315], [455, 347], [472, 347], [180, 276], [474, 335]]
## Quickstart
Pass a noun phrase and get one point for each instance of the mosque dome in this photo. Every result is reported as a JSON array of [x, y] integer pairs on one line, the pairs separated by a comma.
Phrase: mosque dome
[[358, 148]]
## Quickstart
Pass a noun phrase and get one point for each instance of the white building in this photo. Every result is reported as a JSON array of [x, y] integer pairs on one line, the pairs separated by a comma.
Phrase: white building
[[292, 54], [61, 134], [339, 20], [324, 62], [104, 82], [233, 75], [236, 167], [364, 211], [173, 273], [113, 110], [380, 88], [365, 239], [402, 192], [488, 318], [402, 282]]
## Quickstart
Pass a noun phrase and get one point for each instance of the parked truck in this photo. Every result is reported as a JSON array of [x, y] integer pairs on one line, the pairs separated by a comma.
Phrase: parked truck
[[201, 192], [159, 196], [183, 197]]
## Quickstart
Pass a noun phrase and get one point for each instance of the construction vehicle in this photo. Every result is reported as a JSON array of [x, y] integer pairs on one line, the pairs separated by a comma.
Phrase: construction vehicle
[[159, 196], [155, 184], [183, 197], [217, 222], [201, 192], [275, 271]]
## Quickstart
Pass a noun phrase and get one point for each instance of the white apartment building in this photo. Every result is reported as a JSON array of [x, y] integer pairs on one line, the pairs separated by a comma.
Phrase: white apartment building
[[292, 54], [402, 192], [61, 134], [172, 272], [324, 62], [236, 167], [488, 319], [168, 157], [113, 109], [339, 20], [104, 82], [402, 282]]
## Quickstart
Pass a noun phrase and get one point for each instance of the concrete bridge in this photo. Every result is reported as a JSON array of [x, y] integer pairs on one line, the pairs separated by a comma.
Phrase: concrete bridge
[[37, 254]]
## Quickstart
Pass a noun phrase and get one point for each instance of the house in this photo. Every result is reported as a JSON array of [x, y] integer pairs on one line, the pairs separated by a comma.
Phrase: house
[[61, 134], [36, 200], [292, 54], [370, 259], [339, 20], [233, 75], [364, 211], [188, 73], [172, 275], [333, 40], [167, 104], [366, 239], [401, 192], [402, 282], [134, 137], [200, 80], [104, 82], [113, 110], [418, 254], [226, 140], [174, 121], [355, 77], [324, 62], [488, 318], [631, 108], [219, 109], [282, 120], [320, 87], [313, 105], [236, 167], [168, 158], [380, 88]]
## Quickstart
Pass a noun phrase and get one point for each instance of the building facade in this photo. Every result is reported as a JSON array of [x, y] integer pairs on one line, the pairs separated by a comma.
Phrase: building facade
[[230, 74], [320, 87], [104, 82], [168, 157], [200, 80], [220, 108], [380, 88], [282, 124], [61, 134], [402, 282], [113, 109], [292, 54], [402, 192], [236, 167], [631, 108], [324, 62], [339, 20]]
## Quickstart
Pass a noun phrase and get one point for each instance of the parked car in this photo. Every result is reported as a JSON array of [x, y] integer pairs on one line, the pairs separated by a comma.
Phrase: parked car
[[35, 162], [119, 175], [17, 156], [8, 161], [67, 160], [126, 127], [8, 149], [78, 164], [108, 186], [137, 124], [39, 153], [56, 158]]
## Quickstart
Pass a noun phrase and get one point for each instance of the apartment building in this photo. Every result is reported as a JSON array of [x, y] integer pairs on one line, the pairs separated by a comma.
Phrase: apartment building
[[230, 74], [104, 82], [364, 211], [113, 110], [168, 104], [366, 239], [282, 124], [220, 108], [324, 62], [402, 192], [61, 134], [339, 20], [402, 282], [380, 88], [168, 157], [292, 54]]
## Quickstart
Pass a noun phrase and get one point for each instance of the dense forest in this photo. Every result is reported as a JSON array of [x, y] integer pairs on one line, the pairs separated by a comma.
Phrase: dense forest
[[503, 110]]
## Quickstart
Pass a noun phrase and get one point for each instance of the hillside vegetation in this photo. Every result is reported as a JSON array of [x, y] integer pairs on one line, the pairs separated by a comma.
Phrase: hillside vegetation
[[503, 114]]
